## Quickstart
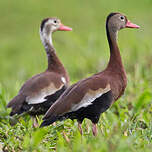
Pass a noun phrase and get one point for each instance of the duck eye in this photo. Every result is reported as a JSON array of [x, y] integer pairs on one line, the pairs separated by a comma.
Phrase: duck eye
[[122, 18], [55, 21]]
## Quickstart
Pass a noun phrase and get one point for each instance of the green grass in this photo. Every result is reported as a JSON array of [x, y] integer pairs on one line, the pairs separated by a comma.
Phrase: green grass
[[127, 125]]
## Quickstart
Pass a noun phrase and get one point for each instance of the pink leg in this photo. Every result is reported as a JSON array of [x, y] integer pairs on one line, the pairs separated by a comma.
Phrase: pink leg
[[80, 128], [66, 137], [54, 124], [35, 123], [94, 129]]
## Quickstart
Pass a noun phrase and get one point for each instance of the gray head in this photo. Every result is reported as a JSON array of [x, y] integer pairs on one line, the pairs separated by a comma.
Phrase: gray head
[[117, 21], [50, 25]]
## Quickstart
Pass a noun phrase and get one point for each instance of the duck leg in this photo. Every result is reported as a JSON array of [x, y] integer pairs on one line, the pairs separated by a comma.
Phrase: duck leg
[[35, 123], [54, 124], [80, 127], [94, 129]]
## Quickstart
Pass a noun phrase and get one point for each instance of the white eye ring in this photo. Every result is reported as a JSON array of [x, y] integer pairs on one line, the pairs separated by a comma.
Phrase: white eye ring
[[55, 21], [122, 18]]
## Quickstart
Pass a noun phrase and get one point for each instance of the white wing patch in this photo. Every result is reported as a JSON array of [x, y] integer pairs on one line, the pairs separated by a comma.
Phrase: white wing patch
[[63, 80], [89, 97], [40, 96]]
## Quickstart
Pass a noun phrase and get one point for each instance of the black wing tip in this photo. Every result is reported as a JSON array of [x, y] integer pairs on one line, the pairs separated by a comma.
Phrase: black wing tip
[[9, 104], [44, 123], [16, 112], [12, 113], [47, 122]]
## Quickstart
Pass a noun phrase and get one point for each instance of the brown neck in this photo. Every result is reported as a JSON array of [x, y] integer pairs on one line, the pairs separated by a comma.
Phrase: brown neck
[[115, 62], [54, 64]]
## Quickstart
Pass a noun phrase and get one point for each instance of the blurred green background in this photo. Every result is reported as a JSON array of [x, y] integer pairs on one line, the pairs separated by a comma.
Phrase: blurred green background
[[84, 51]]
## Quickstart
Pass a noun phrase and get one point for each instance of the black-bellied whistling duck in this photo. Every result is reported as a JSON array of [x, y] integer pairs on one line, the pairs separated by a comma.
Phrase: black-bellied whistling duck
[[42, 90], [90, 97]]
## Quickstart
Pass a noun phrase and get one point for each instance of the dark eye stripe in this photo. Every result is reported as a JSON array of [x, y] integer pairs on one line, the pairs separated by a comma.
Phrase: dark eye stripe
[[43, 23]]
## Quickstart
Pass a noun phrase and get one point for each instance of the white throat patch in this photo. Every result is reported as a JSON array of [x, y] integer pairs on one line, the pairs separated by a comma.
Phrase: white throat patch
[[44, 37]]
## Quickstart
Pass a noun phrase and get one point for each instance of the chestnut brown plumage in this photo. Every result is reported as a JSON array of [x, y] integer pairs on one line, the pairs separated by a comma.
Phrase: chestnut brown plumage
[[90, 97], [41, 91]]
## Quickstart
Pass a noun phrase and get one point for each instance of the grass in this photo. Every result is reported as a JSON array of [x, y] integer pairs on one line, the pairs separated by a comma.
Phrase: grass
[[127, 125]]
